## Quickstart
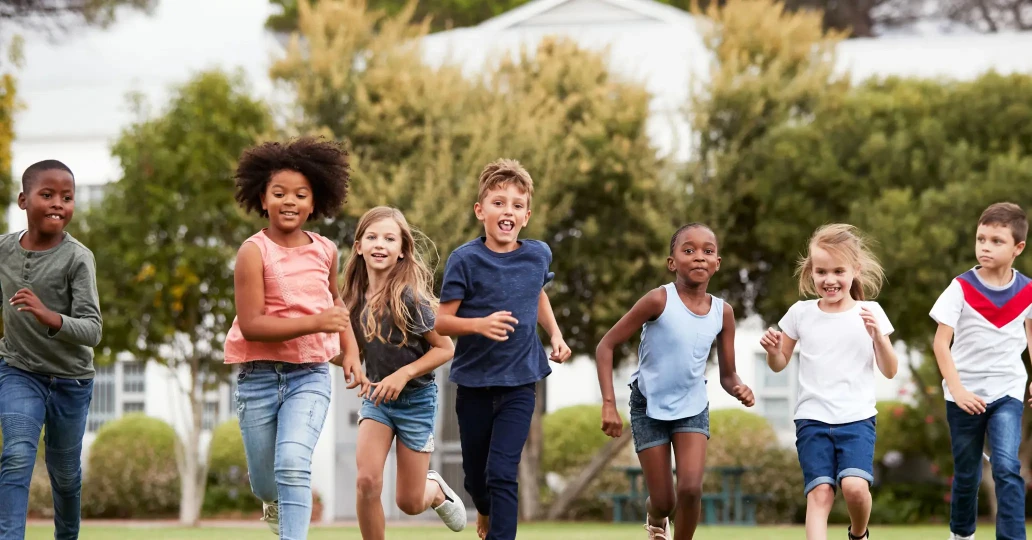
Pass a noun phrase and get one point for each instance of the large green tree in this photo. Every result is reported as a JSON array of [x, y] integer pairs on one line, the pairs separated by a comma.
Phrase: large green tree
[[420, 135], [165, 237]]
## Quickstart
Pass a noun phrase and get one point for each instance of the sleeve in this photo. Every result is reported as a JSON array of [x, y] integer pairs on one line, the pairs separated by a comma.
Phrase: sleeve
[[423, 316], [883, 320], [949, 305], [83, 326], [547, 254], [789, 323], [455, 284]]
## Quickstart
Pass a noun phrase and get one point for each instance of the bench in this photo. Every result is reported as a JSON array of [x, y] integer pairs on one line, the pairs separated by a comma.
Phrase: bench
[[631, 507]]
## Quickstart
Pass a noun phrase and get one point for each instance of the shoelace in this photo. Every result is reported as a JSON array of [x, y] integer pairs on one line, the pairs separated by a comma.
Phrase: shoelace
[[657, 533], [270, 512]]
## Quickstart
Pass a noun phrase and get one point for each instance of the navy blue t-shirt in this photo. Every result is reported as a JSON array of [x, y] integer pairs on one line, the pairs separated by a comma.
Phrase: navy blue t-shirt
[[487, 282]]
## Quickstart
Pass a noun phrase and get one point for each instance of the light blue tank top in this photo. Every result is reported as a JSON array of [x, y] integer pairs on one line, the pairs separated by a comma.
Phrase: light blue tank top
[[672, 358]]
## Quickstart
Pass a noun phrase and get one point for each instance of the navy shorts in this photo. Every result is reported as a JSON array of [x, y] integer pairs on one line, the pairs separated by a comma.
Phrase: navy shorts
[[649, 432], [411, 417], [830, 452]]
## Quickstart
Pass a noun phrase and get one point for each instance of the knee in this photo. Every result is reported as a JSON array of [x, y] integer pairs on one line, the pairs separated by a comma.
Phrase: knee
[[369, 485], [822, 496], [18, 456], [502, 475], [855, 489], [410, 504], [689, 491], [293, 470], [1005, 466]]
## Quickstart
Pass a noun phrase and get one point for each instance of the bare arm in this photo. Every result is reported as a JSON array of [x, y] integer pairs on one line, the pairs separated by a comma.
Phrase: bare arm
[[249, 291], [496, 326], [944, 358], [546, 317], [779, 360], [647, 308], [348, 341], [885, 356], [729, 379], [1028, 335], [442, 350]]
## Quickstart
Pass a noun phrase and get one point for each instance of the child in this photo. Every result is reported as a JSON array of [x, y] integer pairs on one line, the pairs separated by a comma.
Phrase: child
[[987, 313], [390, 290], [492, 298], [52, 321], [841, 336], [679, 323], [290, 322]]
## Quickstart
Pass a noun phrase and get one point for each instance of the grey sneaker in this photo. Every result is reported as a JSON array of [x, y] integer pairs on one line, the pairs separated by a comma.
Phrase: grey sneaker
[[452, 511], [270, 515]]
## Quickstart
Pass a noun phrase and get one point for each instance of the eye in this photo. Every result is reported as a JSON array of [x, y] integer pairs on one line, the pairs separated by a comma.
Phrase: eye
[[68, 199], [370, 237], [519, 206], [45, 195]]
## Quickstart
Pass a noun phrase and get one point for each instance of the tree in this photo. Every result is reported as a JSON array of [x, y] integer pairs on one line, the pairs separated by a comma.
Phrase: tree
[[420, 135], [64, 14], [165, 237], [990, 15], [444, 14]]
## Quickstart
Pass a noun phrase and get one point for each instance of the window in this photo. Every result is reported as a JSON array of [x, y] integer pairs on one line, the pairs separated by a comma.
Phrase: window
[[89, 195], [776, 392], [118, 389], [210, 415]]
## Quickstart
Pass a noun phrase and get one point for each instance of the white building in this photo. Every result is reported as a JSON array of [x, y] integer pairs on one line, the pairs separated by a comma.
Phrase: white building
[[74, 91]]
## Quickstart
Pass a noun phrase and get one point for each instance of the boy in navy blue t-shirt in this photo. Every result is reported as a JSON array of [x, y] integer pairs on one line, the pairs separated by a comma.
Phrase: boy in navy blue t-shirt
[[493, 299]]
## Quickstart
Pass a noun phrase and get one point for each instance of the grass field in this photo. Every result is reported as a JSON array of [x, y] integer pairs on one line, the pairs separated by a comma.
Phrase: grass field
[[565, 531]]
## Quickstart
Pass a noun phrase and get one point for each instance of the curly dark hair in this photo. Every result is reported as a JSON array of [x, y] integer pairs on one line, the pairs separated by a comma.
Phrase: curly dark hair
[[322, 162]]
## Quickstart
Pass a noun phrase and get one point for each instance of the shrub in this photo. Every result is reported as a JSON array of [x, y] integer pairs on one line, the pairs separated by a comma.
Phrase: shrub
[[229, 491], [132, 470]]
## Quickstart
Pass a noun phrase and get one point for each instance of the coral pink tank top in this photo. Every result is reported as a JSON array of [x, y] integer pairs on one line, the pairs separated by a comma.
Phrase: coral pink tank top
[[297, 284]]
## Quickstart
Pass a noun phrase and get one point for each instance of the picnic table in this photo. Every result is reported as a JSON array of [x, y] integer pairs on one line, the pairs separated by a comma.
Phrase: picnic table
[[730, 506]]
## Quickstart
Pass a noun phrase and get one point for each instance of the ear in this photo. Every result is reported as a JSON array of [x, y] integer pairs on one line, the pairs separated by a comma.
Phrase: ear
[[264, 206], [718, 263], [23, 201], [526, 220], [1017, 249], [670, 264], [478, 211]]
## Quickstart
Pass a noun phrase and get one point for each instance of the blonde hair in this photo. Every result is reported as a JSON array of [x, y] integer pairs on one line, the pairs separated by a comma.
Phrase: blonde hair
[[847, 243], [500, 172], [411, 275]]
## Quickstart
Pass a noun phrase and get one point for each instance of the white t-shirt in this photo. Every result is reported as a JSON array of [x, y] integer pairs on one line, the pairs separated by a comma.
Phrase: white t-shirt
[[988, 333], [836, 361]]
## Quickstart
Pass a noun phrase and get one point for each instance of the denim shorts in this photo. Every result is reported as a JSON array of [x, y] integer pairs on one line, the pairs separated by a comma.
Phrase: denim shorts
[[649, 432], [411, 416], [830, 452]]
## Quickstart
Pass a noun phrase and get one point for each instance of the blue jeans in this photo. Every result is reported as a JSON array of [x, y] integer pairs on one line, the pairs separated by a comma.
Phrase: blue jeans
[[494, 423], [282, 408], [28, 402], [1002, 422], [830, 452]]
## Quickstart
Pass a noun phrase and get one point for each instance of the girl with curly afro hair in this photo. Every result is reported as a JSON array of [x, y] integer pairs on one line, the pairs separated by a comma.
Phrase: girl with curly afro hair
[[290, 323]]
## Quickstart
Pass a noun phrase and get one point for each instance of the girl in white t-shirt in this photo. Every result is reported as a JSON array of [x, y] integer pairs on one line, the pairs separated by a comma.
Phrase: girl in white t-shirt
[[841, 336]]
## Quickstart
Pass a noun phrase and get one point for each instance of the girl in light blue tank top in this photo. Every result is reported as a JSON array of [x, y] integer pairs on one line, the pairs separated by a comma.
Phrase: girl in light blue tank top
[[679, 323]]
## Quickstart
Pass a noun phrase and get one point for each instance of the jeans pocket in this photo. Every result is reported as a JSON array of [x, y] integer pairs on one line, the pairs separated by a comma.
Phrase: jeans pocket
[[317, 415]]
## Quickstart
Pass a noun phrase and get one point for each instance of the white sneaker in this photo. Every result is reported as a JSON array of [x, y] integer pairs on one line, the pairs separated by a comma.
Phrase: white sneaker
[[955, 536], [452, 511], [658, 533], [270, 515]]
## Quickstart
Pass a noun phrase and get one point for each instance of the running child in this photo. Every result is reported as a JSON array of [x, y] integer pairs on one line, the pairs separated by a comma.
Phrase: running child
[[679, 324], [389, 288], [290, 322], [493, 299], [52, 322], [987, 314], [841, 336]]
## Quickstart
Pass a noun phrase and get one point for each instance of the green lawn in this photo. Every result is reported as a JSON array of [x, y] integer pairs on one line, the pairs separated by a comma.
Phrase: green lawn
[[566, 531]]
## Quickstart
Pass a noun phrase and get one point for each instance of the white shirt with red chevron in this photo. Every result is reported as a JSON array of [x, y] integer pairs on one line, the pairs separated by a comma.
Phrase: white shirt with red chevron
[[988, 333]]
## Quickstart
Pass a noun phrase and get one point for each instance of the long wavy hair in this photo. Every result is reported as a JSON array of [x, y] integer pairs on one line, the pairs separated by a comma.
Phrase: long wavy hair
[[410, 276]]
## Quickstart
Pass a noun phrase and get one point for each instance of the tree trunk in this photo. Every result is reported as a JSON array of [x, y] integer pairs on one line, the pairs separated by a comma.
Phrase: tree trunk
[[530, 462], [193, 464], [599, 461]]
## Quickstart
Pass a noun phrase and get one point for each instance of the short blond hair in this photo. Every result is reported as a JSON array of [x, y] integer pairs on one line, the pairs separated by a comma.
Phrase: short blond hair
[[500, 172], [848, 243]]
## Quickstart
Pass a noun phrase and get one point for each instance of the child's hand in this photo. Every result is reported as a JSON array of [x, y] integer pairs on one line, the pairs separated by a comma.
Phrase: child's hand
[[497, 326], [612, 424], [560, 351], [870, 323], [26, 300], [744, 394], [771, 341], [353, 373], [333, 320], [389, 388], [969, 402]]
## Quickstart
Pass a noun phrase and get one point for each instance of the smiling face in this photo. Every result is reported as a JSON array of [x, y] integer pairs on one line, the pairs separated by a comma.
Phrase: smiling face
[[288, 200], [832, 275], [695, 258], [504, 211], [995, 246], [50, 202], [380, 245]]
